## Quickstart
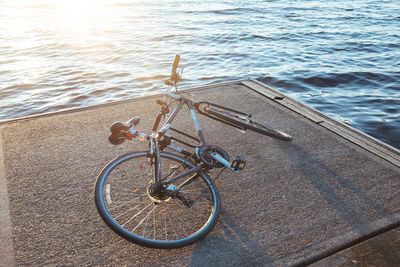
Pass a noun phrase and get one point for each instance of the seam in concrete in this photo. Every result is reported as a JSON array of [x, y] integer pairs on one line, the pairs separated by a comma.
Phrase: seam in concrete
[[7, 251], [349, 133], [346, 240], [369, 143]]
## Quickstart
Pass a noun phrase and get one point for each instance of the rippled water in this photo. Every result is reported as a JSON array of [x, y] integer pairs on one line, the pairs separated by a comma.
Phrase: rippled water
[[340, 57]]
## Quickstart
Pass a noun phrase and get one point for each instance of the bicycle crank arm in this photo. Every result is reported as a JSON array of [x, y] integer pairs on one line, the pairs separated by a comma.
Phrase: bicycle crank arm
[[232, 166]]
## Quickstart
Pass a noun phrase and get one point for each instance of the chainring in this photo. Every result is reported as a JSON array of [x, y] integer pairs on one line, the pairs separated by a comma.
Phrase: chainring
[[204, 154]]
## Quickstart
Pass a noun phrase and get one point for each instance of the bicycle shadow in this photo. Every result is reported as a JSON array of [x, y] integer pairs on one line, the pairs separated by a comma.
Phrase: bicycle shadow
[[329, 183], [231, 245]]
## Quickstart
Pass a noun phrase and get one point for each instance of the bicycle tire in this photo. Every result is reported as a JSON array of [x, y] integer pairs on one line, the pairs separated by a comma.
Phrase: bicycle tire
[[239, 119], [123, 201]]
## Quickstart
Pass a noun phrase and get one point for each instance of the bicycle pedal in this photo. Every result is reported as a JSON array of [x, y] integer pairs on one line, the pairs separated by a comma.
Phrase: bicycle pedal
[[238, 163]]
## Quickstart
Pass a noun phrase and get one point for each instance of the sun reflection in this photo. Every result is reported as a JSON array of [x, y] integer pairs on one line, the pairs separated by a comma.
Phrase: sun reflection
[[76, 8], [61, 13], [42, 31], [74, 4], [78, 13]]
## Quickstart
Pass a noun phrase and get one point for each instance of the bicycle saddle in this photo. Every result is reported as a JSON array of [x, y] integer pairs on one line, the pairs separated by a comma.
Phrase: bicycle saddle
[[116, 127], [117, 136]]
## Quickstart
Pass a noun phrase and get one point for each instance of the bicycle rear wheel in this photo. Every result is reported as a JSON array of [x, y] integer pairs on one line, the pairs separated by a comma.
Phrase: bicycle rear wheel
[[125, 200], [241, 120]]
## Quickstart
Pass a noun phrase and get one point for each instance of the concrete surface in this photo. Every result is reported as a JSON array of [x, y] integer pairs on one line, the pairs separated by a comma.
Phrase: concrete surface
[[381, 250], [325, 193]]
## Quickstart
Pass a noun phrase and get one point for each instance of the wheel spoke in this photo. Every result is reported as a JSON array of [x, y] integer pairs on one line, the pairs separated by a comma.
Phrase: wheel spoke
[[138, 212], [155, 206], [134, 216], [176, 168], [127, 188], [185, 184], [121, 204], [165, 224], [125, 212], [172, 227], [154, 226], [192, 190], [177, 223]]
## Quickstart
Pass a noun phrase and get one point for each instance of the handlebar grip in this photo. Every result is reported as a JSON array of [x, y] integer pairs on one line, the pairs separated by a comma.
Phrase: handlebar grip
[[157, 122], [175, 65]]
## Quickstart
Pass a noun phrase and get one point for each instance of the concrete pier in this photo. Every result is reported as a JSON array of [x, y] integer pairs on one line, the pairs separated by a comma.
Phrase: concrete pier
[[329, 197]]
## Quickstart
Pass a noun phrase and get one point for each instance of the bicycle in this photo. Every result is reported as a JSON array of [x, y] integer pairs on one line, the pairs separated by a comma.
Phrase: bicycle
[[160, 199]]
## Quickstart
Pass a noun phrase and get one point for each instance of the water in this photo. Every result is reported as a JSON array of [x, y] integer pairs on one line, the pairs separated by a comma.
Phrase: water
[[340, 57]]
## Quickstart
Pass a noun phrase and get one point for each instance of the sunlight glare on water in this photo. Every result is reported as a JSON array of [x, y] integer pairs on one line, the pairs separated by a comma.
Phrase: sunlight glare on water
[[341, 57]]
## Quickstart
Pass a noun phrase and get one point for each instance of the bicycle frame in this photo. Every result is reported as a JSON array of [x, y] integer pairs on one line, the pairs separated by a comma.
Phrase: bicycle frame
[[154, 139], [185, 194], [185, 180]]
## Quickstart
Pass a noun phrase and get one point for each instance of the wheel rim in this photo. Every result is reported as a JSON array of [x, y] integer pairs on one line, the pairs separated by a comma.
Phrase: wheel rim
[[126, 205]]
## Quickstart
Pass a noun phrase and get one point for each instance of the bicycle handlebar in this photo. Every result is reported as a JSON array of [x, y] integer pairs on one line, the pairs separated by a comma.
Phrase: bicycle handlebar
[[125, 130], [175, 65], [174, 75]]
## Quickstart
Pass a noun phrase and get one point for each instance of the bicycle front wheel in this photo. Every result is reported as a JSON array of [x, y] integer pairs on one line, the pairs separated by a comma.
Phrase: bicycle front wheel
[[125, 199], [242, 120]]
